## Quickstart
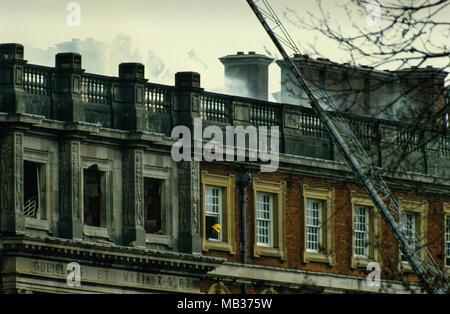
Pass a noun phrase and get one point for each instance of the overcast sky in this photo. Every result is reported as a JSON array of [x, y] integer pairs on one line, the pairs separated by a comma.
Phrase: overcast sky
[[166, 35]]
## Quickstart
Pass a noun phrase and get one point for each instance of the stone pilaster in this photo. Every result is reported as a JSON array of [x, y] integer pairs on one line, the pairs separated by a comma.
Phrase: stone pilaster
[[11, 78], [129, 98], [133, 197], [70, 222], [189, 205], [187, 108], [11, 172], [68, 103]]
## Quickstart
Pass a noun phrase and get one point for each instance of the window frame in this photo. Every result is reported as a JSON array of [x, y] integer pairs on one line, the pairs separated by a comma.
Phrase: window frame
[[167, 203], [106, 167], [219, 214], [227, 183], [270, 228], [366, 232], [326, 196], [374, 236], [278, 190], [45, 158], [420, 209]]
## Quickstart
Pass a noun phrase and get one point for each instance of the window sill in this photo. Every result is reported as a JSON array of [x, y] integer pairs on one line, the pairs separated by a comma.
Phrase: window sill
[[33, 223], [360, 262], [269, 251], [309, 257], [217, 246], [99, 232], [158, 239]]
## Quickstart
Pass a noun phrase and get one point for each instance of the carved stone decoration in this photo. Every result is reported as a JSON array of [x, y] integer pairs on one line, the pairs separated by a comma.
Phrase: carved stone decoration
[[139, 188], [11, 172], [195, 178], [76, 179], [19, 173], [271, 290], [127, 188], [184, 195], [133, 196], [70, 189], [6, 165], [218, 288]]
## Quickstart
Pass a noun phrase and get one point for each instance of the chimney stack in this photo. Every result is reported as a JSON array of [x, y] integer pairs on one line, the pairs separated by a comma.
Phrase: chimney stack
[[247, 75]]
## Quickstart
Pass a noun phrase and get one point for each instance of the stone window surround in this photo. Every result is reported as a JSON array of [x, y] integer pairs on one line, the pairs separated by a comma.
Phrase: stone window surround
[[446, 210], [46, 158], [327, 196], [374, 232], [421, 209], [104, 165], [228, 244], [279, 225], [154, 172]]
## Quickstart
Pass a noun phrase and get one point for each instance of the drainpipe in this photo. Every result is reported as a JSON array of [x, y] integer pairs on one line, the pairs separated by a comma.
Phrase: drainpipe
[[243, 179]]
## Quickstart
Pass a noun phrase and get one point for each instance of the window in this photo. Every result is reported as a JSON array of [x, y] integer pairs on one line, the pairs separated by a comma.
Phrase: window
[[366, 226], [264, 209], [269, 224], [153, 206], [408, 227], [94, 197], [319, 225], [413, 221], [313, 225], [213, 212], [34, 190], [218, 198], [361, 231]]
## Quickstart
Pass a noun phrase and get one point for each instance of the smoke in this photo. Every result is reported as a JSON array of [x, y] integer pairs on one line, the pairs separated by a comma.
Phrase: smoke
[[104, 58], [194, 58], [93, 52]]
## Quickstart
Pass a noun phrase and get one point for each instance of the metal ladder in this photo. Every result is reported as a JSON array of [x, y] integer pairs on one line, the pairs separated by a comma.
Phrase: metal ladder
[[426, 268]]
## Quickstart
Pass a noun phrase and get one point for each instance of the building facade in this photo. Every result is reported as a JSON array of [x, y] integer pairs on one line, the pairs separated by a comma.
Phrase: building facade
[[88, 179]]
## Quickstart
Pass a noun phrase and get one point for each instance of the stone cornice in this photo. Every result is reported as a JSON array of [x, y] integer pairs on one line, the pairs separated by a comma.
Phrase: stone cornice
[[99, 253]]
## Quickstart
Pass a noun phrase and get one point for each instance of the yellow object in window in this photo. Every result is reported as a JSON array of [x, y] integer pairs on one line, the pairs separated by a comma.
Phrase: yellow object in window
[[216, 227]]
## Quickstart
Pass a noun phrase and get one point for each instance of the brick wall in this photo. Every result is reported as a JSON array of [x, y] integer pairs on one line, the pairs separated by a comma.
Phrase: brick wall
[[342, 225]]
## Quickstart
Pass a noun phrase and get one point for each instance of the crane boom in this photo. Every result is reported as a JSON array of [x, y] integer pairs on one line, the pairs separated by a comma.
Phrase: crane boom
[[426, 268]]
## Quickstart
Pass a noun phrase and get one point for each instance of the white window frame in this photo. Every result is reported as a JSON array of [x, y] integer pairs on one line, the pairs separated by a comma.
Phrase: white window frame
[[313, 225], [419, 210], [364, 233], [278, 218], [219, 212], [268, 220], [408, 227]]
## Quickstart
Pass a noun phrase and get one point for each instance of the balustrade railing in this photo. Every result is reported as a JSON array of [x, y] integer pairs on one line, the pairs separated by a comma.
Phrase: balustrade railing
[[37, 79], [95, 88], [158, 98]]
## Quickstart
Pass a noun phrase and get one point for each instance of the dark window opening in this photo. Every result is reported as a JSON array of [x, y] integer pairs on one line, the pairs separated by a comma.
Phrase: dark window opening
[[94, 200], [153, 206], [34, 186]]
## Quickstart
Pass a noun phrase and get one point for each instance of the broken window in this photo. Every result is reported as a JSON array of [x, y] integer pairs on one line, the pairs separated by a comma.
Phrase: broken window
[[34, 187], [94, 197], [153, 206]]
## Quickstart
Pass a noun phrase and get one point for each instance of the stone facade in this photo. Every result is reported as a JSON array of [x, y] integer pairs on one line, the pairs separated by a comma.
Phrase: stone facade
[[83, 146]]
